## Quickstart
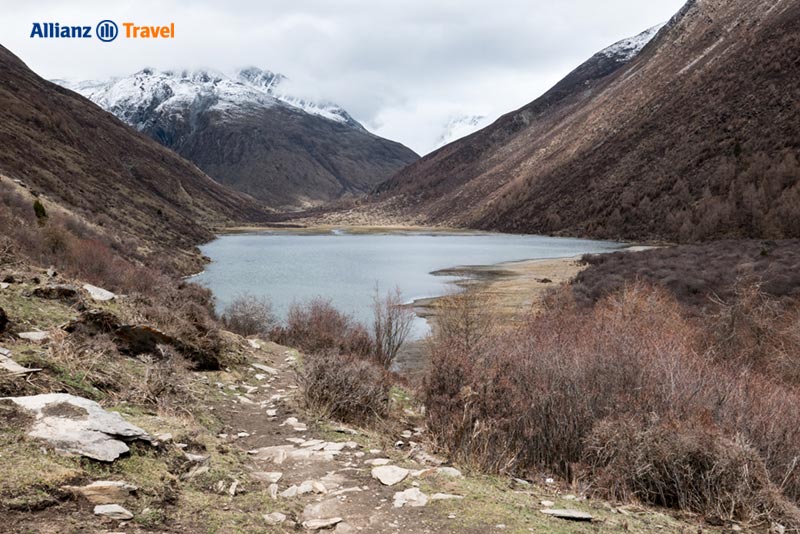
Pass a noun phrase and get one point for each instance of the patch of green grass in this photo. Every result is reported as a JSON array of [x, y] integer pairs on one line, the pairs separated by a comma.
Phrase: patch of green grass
[[28, 313], [491, 501], [30, 473]]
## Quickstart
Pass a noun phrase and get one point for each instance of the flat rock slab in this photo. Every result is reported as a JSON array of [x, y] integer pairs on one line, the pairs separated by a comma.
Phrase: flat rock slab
[[11, 366], [266, 368], [74, 425], [113, 511], [568, 514], [389, 475], [319, 524], [98, 293], [36, 337], [410, 497], [104, 491]]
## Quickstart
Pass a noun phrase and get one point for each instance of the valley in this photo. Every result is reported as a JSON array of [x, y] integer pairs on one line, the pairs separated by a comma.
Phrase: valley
[[228, 306]]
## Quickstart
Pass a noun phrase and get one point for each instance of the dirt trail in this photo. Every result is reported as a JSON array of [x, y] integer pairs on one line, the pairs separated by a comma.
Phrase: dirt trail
[[324, 474]]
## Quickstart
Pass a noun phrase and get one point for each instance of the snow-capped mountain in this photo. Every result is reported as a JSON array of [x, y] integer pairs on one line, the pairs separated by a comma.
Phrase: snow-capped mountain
[[460, 126], [250, 132], [627, 49], [159, 91]]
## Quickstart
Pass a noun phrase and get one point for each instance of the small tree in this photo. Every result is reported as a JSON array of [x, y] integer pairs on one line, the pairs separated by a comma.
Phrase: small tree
[[41, 213], [391, 325], [248, 315]]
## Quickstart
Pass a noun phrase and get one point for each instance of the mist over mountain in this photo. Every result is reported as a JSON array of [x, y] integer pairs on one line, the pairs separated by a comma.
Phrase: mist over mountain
[[248, 131]]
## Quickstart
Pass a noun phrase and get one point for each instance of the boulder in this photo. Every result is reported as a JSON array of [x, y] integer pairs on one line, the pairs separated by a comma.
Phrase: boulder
[[103, 491], [449, 472], [62, 292], [98, 293], [389, 475], [113, 511], [36, 337], [410, 497], [74, 425], [3, 320], [270, 477]]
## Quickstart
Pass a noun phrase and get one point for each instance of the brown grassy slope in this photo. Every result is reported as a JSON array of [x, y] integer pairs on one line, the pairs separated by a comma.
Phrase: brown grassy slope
[[77, 155], [697, 138]]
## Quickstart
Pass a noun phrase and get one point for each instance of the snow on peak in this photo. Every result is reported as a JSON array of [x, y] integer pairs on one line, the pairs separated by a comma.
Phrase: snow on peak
[[460, 126], [134, 98], [627, 49]]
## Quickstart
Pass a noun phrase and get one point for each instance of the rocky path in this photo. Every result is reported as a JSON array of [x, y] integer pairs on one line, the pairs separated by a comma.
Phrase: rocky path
[[328, 479]]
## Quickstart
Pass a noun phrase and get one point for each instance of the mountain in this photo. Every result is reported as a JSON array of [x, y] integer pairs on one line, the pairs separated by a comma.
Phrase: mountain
[[69, 151], [248, 132], [459, 126], [688, 132]]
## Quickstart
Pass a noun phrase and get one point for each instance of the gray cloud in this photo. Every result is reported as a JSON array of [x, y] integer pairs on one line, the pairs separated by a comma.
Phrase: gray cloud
[[401, 68]]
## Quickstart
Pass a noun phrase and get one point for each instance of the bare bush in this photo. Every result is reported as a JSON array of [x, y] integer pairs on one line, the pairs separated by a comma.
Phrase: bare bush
[[392, 321], [317, 326], [346, 388], [248, 315], [528, 400], [689, 466], [464, 319]]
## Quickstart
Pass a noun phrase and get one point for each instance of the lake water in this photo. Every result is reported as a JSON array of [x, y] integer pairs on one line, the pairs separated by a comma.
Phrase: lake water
[[345, 267]]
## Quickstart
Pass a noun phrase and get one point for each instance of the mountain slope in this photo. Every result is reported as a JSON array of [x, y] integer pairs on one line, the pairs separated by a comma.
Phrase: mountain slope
[[694, 137], [80, 157], [247, 132]]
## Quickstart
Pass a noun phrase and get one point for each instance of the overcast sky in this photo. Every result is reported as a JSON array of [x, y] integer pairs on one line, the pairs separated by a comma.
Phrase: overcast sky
[[402, 68]]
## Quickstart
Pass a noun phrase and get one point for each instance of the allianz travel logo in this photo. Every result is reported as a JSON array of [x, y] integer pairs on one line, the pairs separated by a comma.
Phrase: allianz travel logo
[[105, 31]]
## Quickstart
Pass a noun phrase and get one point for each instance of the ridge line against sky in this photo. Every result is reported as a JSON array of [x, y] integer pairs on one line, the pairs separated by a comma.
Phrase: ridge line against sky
[[403, 69]]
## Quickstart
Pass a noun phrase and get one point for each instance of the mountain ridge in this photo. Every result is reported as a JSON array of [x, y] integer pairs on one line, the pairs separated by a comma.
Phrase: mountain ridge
[[249, 134]]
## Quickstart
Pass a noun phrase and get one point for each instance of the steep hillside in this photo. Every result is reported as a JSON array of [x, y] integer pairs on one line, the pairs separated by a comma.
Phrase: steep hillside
[[693, 137], [247, 132], [77, 156]]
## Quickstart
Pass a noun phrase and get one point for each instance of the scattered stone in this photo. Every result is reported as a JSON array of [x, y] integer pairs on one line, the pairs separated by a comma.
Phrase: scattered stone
[[267, 476], [276, 454], [63, 292], [406, 434], [198, 469], [273, 491], [377, 461], [275, 518], [98, 293], [389, 475], [547, 504], [569, 497], [411, 497], [445, 497], [74, 425], [319, 524], [4, 285], [345, 430], [113, 511], [449, 472], [254, 343], [51, 272], [36, 337], [232, 489], [103, 491], [272, 412], [244, 400], [290, 492], [11, 366], [344, 528], [164, 437], [266, 368], [569, 515], [196, 458]]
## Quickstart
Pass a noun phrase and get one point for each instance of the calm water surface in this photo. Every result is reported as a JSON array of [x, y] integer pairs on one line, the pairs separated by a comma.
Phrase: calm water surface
[[344, 267]]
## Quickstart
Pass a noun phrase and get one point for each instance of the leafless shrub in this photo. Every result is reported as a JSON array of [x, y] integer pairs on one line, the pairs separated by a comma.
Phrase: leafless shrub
[[689, 466], [528, 400], [317, 326], [248, 315], [345, 388], [464, 319], [392, 321]]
